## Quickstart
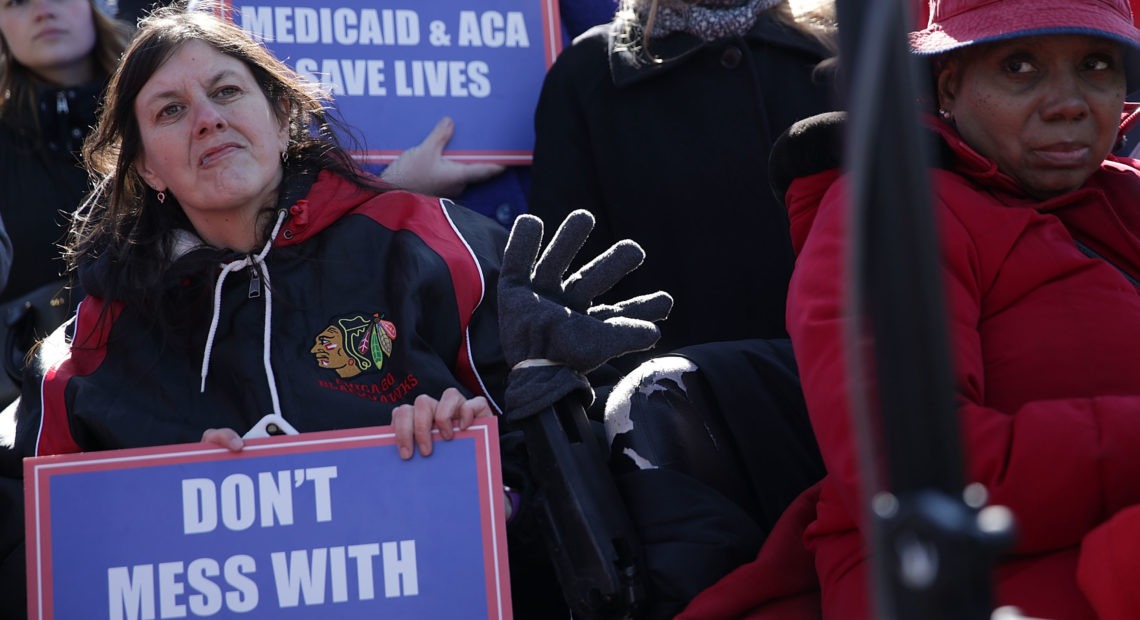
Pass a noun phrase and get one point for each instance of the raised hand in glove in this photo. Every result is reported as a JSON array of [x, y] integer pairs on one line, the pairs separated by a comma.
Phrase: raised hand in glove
[[551, 331]]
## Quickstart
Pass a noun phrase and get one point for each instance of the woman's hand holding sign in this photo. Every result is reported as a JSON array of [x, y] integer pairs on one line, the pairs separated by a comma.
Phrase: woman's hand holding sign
[[413, 424]]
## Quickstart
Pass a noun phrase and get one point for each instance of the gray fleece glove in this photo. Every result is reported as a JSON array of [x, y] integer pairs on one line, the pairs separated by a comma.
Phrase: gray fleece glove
[[551, 332]]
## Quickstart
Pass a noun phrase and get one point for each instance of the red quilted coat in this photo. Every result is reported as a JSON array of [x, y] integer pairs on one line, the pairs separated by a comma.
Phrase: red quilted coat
[[1046, 349]]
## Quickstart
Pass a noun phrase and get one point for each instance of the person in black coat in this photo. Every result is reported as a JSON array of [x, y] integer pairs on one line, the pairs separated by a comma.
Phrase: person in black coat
[[51, 85], [51, 90], [665, 138]]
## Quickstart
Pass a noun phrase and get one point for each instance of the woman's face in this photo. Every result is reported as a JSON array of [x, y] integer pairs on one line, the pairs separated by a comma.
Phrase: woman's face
[[209, 135], [1046, 109], [52, 38]]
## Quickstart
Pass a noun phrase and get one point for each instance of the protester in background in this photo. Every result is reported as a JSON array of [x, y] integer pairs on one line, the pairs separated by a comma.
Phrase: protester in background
[[54, 61], [55, 58], [230, 241], [660, 122], [1040, 251]]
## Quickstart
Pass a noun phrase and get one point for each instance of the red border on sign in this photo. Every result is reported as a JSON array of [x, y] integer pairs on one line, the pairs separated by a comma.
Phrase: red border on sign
[[38, 473]]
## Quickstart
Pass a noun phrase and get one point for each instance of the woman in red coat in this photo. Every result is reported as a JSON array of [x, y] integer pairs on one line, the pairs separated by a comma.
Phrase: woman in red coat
[[1040, 249]]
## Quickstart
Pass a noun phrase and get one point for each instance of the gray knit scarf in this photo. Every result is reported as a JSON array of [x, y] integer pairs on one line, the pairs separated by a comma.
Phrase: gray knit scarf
[[709, 20]]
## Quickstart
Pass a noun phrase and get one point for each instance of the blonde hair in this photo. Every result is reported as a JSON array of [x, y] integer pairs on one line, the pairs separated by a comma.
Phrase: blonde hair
[[18, 83], [814, 19]]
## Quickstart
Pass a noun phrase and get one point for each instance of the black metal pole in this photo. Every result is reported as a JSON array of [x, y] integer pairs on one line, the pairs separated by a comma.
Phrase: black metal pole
[[931, 559]]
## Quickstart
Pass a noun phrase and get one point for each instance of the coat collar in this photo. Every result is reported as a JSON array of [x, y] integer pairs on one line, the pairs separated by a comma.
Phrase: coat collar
[[629, 64]]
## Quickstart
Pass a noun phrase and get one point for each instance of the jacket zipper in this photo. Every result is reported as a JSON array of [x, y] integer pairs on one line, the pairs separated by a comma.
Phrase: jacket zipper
[[1091, 253], [254, 282]]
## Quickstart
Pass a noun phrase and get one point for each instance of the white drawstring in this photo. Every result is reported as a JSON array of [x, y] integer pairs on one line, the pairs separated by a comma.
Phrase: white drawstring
[[226, 269], [258, 262]]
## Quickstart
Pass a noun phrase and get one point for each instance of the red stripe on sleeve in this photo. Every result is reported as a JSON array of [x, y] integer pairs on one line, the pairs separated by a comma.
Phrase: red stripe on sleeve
[[87, 351]]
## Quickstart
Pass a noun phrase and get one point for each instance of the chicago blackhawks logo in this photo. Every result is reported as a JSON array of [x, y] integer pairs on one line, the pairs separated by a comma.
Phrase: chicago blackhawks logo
[[354, 344]]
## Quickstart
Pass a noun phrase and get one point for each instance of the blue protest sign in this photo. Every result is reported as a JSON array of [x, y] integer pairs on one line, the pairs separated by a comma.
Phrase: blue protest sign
[[303, 526], [395, 71]]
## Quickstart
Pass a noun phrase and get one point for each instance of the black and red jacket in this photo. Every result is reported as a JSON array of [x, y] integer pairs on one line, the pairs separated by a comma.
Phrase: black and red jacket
[[375, 298]]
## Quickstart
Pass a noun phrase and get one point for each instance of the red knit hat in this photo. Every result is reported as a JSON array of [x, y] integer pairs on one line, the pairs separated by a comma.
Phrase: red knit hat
[[957, 23]]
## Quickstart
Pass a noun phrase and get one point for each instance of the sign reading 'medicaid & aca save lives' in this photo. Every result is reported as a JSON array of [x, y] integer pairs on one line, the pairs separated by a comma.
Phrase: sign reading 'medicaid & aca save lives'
[[395, 68], [318, 525]]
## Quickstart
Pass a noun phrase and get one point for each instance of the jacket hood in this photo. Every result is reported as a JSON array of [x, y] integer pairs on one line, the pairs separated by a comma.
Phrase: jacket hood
[[318, 206]]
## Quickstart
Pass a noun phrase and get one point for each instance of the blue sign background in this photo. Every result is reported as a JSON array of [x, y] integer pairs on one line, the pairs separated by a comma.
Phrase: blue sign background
[[375, 498], [396, 104]]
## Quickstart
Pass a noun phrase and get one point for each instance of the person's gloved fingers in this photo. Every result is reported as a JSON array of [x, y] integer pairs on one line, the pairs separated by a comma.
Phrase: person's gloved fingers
[[521, 252], [583, 343], [602, 273], [626, 335], [563, 247], [651, 307]]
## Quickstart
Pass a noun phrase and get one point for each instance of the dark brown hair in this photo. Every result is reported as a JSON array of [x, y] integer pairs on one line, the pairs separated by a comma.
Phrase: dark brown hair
[[122, 218]]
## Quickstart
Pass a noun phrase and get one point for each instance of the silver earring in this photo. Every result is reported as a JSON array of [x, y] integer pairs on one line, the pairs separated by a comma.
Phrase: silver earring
[[161, 197], [285, 157], [946, 115]]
